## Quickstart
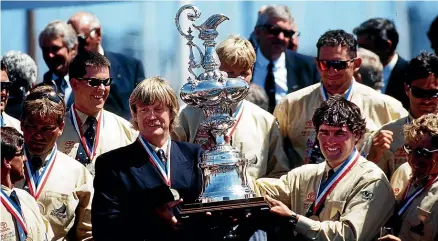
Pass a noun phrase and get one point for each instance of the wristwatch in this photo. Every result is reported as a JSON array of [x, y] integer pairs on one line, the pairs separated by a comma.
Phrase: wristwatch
[[293, 220]]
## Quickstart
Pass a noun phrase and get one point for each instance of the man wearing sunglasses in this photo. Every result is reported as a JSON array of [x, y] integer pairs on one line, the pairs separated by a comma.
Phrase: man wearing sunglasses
[[5, 119], [415, 183], [336, 62], [421, 87], [89, 129], [278, 69], [126, 71]]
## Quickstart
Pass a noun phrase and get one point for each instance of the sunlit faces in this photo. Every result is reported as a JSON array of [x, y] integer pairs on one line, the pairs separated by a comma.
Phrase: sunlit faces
[[421, 165], [153, 120], [271, 45], [17, 165], [5, 85], [88, 99], [336, 143], [420, 104], [40, 133], [56, 55], [336, 80], [235, 71]]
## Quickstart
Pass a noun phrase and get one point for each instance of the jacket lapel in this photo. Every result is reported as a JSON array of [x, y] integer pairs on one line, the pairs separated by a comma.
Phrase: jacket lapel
[[181, 170], [293, 83]]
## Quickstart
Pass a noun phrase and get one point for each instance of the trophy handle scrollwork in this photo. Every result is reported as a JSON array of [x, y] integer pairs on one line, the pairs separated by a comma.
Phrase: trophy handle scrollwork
[[192, 17]]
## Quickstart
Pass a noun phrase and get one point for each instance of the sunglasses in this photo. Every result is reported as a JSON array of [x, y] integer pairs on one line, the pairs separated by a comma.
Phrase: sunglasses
[[420, 152], [52, 96], [94, 82], [422, 93], [275, 30], [6, 86], [85, 36], [325, 65]]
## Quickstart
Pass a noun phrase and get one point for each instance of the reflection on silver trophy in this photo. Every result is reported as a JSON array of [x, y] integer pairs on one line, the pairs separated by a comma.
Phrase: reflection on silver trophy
[[223, 166]]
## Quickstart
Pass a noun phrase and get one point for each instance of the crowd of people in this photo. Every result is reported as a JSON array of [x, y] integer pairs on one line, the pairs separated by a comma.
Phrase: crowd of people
[[342, 146]]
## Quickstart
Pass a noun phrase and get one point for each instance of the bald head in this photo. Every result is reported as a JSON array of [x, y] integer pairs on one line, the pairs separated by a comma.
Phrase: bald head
[[88, 27]]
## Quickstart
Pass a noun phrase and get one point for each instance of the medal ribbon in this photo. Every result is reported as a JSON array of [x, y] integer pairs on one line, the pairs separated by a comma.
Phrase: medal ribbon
[[348, 95], [36, 182], [14, 210], [408, 200], [77, 125], [237, 115], [327, 187], [156, 161]]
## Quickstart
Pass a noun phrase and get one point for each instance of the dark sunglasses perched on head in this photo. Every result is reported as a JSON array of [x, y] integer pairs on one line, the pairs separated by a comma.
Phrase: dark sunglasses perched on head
[[422, 152], [6, 86], [422, 93], [94, 82], [52, 96], [335, 64], [276, 30]]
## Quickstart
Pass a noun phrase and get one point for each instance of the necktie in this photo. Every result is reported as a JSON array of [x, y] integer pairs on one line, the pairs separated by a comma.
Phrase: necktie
[[20, 230], [316, 155], [270, 87], [162, 157], [330, 173], [89, 134]]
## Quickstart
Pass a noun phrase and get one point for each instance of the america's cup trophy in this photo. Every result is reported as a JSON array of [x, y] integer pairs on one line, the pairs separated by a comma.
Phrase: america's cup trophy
[[225, 185]]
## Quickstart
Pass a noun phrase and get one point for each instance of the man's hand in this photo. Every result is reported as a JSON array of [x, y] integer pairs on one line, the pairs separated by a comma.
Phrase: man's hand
[[389, 237], [381, 142], [165, 212], [278, 207]]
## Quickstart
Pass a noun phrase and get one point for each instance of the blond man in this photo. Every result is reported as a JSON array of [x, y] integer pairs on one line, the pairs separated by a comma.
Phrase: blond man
[[126, 190], [62, 186], [256, 134]]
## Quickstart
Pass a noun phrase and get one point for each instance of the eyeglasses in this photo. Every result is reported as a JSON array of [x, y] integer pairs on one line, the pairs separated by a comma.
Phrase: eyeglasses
[[52, 96], [6, 86], [85, 36], [94, 82], [275, 30], [422, 93], [421, 152], [325, 65]]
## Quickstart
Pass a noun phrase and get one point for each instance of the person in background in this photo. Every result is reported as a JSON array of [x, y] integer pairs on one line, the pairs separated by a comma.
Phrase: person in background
[[21, 218], [5, 119], [370, 72], [22, 72], [432, 34]]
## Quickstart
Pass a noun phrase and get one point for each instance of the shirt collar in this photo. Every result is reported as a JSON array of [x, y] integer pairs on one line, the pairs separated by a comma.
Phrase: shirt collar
[[44, 157], [65, 78], [83, 117], [390, 66], [164, 147], [263, 62], [100, 50]]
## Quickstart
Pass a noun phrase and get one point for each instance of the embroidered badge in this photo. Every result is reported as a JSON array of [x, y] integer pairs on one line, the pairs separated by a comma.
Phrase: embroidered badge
[[60, 212], [367, 195]]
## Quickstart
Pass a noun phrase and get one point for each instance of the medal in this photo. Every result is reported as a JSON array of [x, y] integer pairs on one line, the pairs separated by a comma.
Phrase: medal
[[28, 239]]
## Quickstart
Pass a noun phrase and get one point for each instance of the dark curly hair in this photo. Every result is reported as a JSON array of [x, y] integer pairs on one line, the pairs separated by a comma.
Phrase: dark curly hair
[[11, 140], [338, 37], [421, 67], [380, 30], [77, 67], [337, 111]]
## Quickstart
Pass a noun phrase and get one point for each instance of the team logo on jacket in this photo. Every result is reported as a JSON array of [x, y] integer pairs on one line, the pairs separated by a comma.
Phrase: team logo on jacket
[[68, 145], [60, 213], [367, 195]]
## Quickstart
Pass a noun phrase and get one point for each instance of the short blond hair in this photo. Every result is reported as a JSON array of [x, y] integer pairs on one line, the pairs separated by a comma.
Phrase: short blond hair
[[45, 102], [421, 128], [154, 89], [236, 50]]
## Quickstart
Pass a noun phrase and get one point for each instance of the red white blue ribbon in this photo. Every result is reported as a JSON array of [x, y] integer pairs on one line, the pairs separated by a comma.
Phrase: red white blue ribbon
[[408, 200], [156, 161], [14, 210], [35, 181], [326, 188], [237, 115], [348, 95]]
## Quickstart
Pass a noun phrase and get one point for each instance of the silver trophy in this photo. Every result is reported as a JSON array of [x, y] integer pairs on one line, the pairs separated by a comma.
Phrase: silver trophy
[[225, 183]]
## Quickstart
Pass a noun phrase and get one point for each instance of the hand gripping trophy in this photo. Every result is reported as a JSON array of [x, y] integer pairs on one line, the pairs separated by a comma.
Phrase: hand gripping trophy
[[225, 184]]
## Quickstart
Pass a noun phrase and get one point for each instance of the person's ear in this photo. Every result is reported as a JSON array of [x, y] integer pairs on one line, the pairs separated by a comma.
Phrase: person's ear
[[357, 62], [407, 90]]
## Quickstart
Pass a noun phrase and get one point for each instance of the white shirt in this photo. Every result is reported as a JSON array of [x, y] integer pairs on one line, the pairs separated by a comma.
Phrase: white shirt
[[387, 70], [65, 87], [280, 74]]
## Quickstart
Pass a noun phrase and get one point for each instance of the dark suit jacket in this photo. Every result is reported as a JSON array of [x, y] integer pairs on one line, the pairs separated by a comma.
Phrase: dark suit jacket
[[48, 80], [124, 191], [127, 73], [396, 82], [301, 70]]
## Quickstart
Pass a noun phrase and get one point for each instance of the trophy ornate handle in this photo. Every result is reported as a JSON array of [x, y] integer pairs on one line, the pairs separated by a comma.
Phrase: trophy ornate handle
[[192, 17]]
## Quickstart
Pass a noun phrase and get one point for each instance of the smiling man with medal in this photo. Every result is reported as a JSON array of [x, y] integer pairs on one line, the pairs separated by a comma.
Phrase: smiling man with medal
[[62, 187], [20, 216], [137, 187], [415, 183], [345, 197], [89, 129], [421, 87], [336, 62]]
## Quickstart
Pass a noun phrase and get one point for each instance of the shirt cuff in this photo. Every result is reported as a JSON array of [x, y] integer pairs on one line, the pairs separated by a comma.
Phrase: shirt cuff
[[304, 225]]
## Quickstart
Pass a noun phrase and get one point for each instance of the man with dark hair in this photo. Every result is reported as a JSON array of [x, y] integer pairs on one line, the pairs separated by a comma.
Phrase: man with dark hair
[[5, 119], [421, 87], [336, 62], [89, 129], [16, 204], [380, 36], [62, 187], [346, 197], [432, 34]]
